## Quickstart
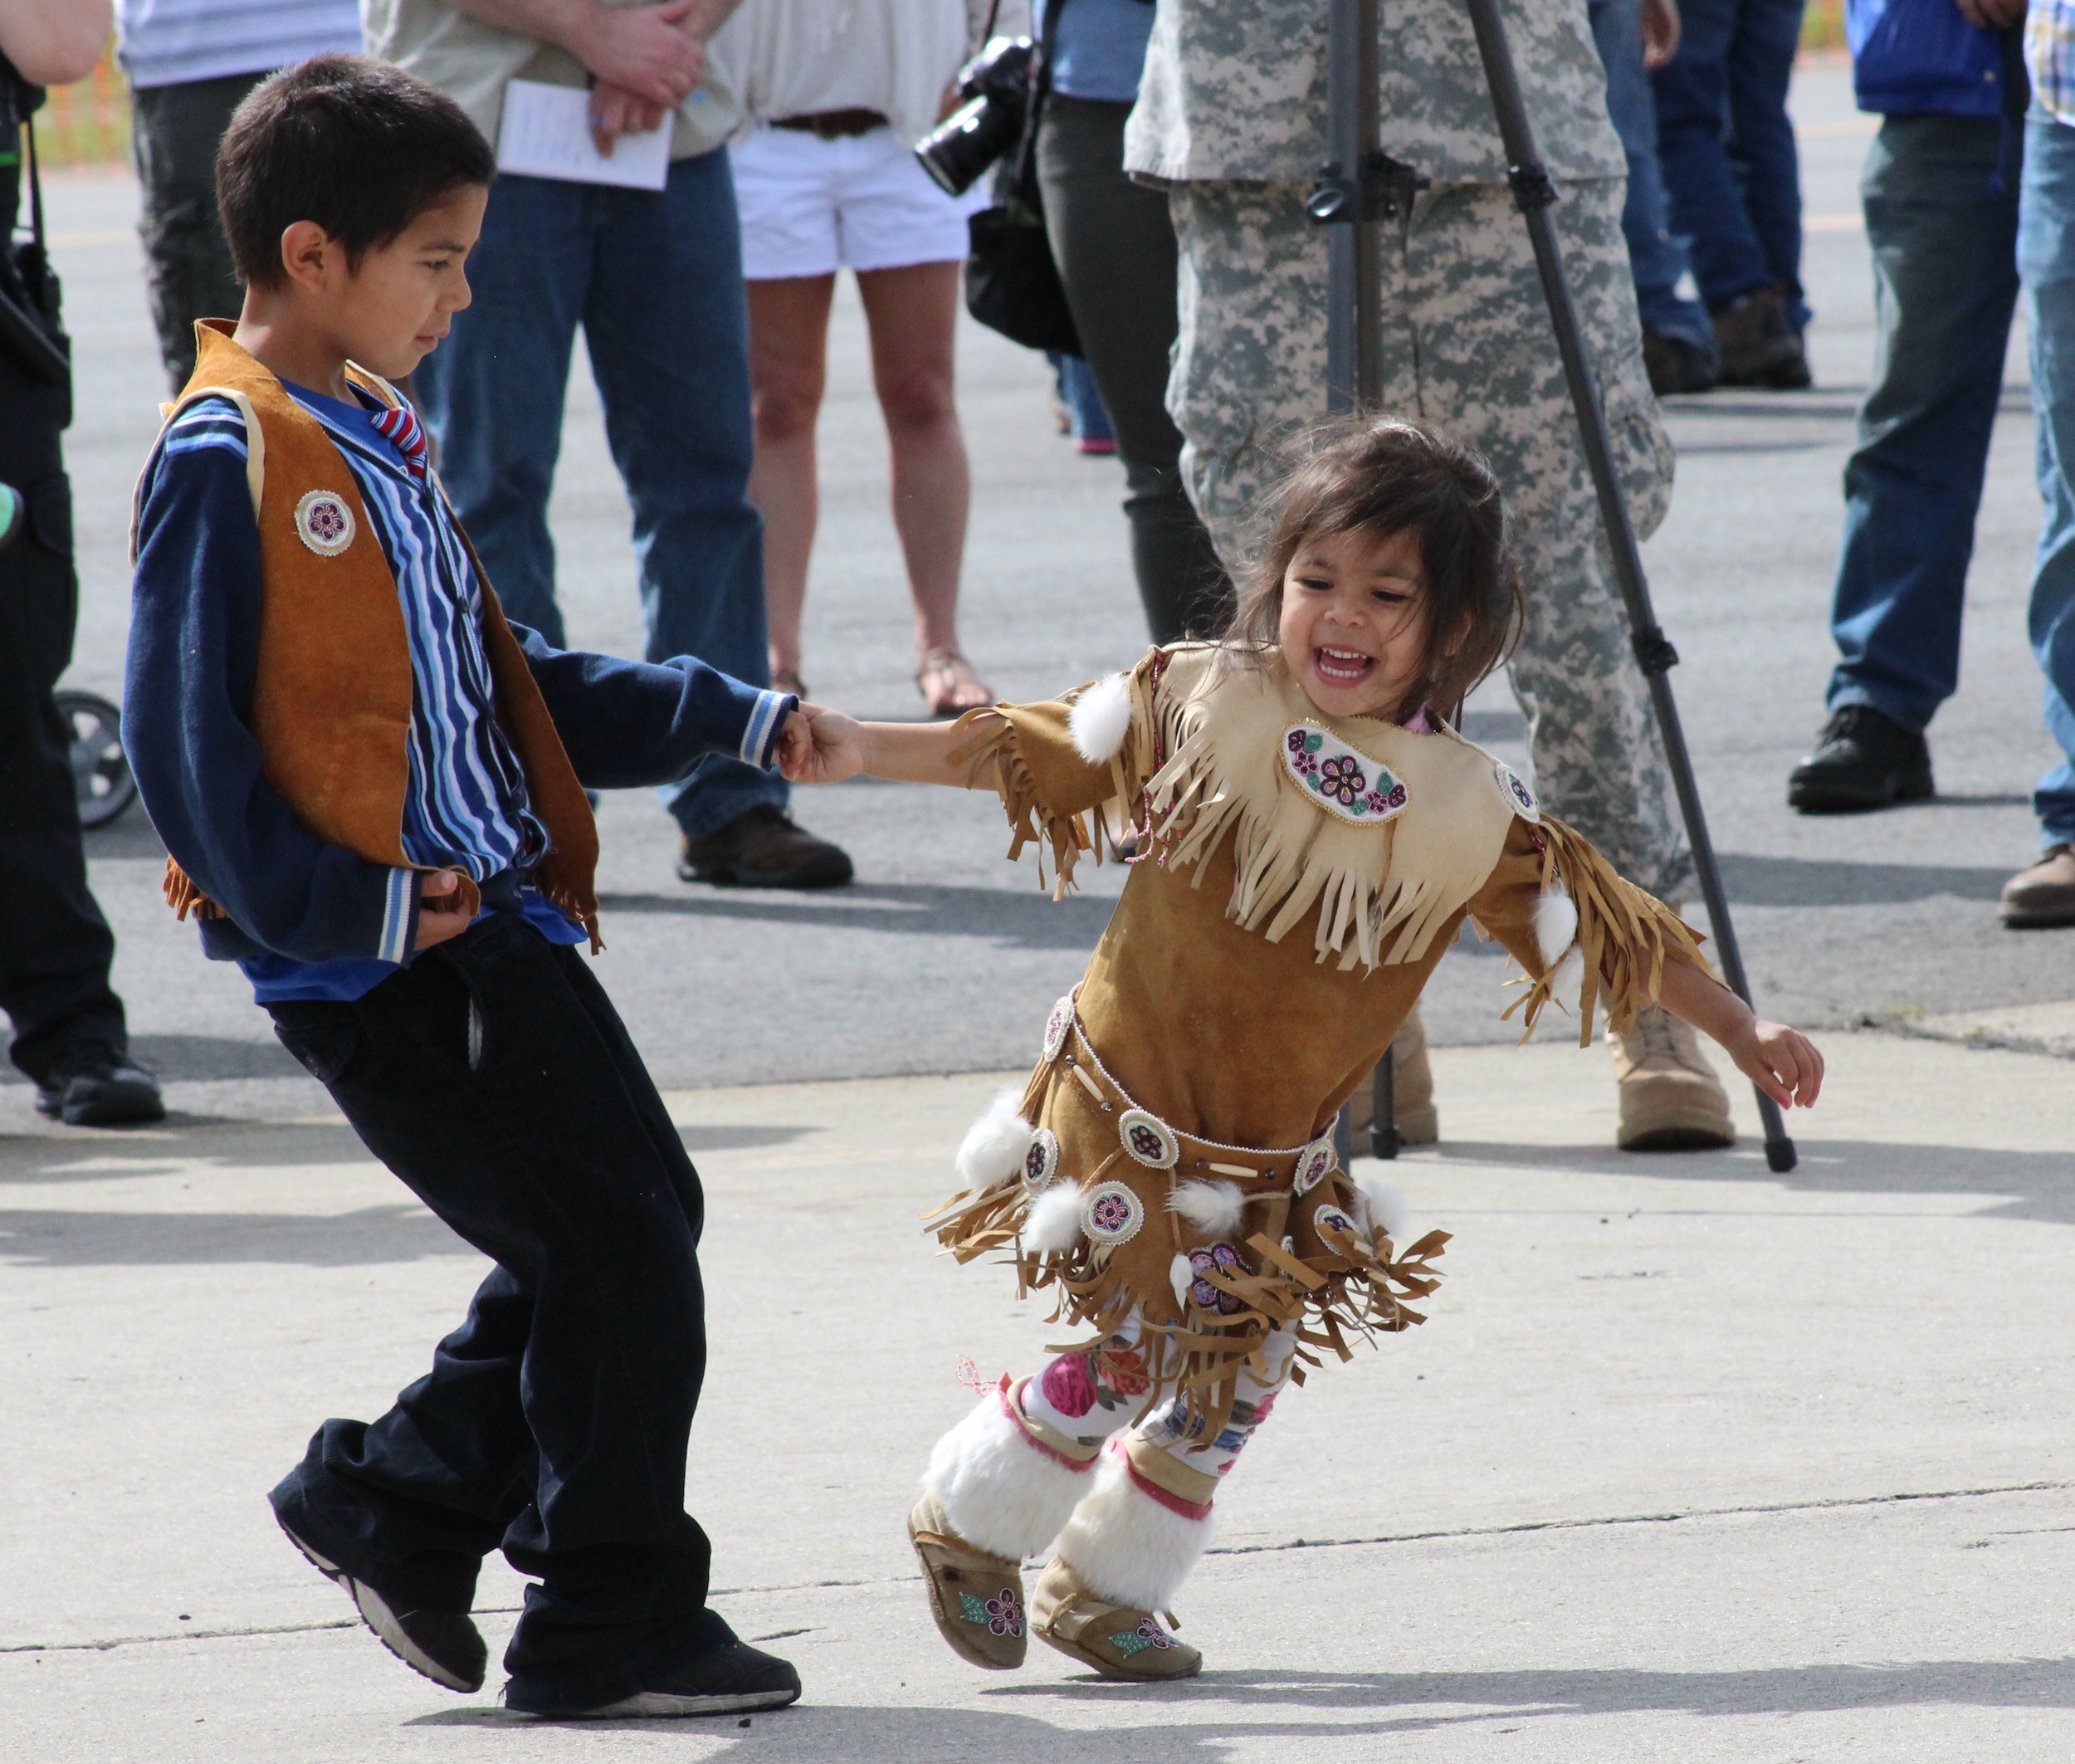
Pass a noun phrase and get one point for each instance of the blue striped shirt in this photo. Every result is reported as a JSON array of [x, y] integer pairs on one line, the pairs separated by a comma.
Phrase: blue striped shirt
[[2049, 56]]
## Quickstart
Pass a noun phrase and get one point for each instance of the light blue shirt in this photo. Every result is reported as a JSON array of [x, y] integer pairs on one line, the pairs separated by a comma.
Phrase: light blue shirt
[[1100, 50], [168, 42]]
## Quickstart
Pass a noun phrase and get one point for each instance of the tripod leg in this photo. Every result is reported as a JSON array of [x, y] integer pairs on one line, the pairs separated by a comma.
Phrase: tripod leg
[[1382, 1123], [1533, 192]]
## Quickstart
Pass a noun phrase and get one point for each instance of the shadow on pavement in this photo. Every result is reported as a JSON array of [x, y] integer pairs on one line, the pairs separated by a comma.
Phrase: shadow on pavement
[[1814, 881], [2025, 1185], [1154, 1723], [1024, 919], [365, 1238]]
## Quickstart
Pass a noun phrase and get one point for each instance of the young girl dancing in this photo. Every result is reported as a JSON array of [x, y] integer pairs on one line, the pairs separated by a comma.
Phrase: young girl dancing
[[1311, 831]]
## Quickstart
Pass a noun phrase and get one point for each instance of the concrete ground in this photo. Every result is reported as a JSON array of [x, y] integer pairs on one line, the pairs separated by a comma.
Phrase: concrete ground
[[1713, 1465], [1690, 1463]]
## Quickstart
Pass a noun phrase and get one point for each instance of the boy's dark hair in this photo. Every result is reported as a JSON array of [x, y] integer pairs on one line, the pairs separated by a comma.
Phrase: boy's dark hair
[[360, 147], [1386, 475]]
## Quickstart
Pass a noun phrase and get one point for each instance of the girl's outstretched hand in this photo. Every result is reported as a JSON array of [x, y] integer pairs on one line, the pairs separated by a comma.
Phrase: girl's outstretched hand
[[819, 746], [1781, 1062]]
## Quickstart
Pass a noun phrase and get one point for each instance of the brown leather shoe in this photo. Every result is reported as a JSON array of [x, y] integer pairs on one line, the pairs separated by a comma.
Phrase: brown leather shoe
[[1757, 345], [977, 1598], [2044, 894], [1118, 1642], [764, 849], [1671, 1099]]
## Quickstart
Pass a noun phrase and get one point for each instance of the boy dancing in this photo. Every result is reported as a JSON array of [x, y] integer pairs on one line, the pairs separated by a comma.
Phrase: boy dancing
[[372, 789]]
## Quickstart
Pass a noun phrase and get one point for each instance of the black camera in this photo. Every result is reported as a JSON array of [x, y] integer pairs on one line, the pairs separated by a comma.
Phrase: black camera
[[997, 82]]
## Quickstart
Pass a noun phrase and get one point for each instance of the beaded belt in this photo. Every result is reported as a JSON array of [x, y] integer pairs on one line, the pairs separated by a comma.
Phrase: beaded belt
[[1146, 1138]]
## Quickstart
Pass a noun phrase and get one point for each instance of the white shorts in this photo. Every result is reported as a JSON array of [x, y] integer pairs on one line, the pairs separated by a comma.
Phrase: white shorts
[[810, 207]]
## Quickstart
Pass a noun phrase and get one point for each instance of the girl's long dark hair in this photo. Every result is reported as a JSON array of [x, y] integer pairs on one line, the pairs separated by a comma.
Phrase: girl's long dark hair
[[1386, 474]]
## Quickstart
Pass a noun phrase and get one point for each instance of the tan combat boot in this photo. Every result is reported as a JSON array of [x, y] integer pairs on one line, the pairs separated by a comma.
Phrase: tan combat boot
[[1411, 1092], [1117, 1641], [977, 1598], [1671, 1099]]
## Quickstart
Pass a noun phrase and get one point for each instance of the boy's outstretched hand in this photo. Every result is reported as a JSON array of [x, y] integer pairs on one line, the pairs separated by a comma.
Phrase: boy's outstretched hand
[[1781, 1062], [819, 746]]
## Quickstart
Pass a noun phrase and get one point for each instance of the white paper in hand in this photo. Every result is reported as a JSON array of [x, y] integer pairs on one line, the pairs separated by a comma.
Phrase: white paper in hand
[[546, 133]]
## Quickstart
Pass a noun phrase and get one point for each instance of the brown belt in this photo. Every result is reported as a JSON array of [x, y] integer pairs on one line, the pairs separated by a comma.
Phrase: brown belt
[[832, 125]]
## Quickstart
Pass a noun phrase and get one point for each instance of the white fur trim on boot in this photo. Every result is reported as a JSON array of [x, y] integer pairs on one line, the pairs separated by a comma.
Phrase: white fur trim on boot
[[1002, 1491], [1125, 1545], [993, 1147], [1100, 719]]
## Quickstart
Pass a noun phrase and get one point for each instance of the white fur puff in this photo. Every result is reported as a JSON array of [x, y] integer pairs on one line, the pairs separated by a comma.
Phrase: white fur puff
[[1129, 1548], [1053, 1222], [1180, 1274], [1568, 980], [993, 1147], [1212, 1208], [1389, 1214], [1556, 926], [1100, 719], [998, 1490]]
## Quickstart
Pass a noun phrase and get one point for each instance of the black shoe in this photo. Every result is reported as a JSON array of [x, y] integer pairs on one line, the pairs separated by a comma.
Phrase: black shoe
[[1758, 345], [1863, 760], [445, 1646], [93, 1086], [731, 1680], [764, 849], [1676, 365]]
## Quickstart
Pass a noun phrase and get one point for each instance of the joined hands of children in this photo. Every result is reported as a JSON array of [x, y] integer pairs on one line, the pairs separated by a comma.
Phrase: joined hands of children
[[819, 746], [440, 914]]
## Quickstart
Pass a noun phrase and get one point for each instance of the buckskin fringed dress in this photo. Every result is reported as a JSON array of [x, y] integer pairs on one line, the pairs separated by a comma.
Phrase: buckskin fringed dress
[[1297, 877]]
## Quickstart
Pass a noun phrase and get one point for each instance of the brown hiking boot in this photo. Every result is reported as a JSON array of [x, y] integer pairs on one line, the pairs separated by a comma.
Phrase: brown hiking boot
[[762, 847], [1757, 345], [1411, 1092], [2044, 894], [1671, 1099], [1118, 1642], [976, 1598]]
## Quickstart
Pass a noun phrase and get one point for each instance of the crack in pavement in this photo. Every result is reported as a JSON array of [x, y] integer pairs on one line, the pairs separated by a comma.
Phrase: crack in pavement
[[1523, 1527]]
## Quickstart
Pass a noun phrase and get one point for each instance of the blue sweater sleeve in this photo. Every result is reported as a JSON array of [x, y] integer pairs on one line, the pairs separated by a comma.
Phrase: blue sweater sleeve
[[187, 711], [628, 723]]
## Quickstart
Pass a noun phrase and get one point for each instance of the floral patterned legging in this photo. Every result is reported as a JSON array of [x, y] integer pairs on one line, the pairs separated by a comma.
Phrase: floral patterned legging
[[1089, 1396]]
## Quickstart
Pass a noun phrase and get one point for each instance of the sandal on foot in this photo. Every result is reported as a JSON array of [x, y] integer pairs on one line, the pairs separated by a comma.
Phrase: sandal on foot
[[977, 1598], [948, 685], [1117, 1641]]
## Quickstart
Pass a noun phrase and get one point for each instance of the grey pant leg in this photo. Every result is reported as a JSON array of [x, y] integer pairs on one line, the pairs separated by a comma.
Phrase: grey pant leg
[[1114, 246], [175, 133]]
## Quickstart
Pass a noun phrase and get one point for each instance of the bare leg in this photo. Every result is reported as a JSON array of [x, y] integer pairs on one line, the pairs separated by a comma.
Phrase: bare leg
[[912, 313], [788, 357]]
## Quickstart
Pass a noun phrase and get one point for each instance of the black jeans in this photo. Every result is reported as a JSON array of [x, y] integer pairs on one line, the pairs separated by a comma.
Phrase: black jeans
[[494, 1076], [175, 133], [1114, 246], [55, 947]]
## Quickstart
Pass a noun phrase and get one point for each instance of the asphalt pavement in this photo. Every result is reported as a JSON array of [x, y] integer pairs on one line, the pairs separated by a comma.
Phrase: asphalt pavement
[[1691, 1462]]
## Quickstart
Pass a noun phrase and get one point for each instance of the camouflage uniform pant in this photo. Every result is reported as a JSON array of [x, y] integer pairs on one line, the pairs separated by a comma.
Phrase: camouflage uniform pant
[[1467, 345]]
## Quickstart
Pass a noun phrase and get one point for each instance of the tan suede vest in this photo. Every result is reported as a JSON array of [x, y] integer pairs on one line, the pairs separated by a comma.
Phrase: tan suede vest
[[331, 704]]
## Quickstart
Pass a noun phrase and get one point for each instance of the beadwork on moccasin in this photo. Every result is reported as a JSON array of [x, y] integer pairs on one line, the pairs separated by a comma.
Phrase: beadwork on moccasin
[[1112, 1214], [1518, 797], [1148, 1139], [1314, 1164], [1349, 786], [1041, 1162]]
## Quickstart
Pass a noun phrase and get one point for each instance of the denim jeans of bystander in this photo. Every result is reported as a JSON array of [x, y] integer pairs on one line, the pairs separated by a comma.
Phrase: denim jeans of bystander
[[655, 279]]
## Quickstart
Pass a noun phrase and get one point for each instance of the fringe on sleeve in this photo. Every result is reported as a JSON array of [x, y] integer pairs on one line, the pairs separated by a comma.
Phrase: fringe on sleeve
[[1625, 936], [995, 742]]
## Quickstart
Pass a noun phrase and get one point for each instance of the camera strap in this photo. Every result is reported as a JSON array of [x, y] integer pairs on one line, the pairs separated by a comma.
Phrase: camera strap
[[30, 329]]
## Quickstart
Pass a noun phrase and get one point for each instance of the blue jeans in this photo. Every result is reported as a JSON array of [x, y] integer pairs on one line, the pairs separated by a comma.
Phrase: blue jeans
[[2046, 260], [1944, 242], [655, 278], [1658, 260], [1727, 148]]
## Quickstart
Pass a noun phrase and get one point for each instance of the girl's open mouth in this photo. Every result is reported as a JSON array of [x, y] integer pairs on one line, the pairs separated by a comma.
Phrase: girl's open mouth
[[1341, 666]]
